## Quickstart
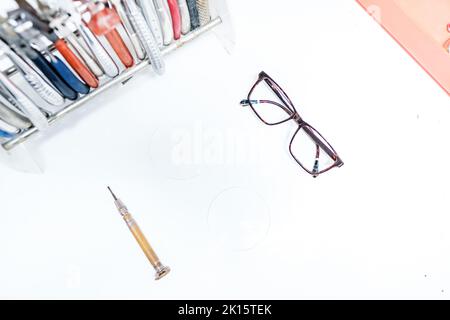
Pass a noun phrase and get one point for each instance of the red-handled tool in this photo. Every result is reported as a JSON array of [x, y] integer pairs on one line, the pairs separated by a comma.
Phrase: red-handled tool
[[176, 18], [78, 66], [103, 23]]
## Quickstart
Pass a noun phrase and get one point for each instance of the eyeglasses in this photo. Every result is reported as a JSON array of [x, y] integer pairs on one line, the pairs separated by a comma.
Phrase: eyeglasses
[[308, 147]]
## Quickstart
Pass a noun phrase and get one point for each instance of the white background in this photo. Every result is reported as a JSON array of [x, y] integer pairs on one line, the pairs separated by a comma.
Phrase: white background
[[248, 223]]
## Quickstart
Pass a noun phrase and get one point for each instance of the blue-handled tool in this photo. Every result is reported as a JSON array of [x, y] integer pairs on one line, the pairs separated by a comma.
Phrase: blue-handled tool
[[47, 69], [193, 14], [5, 134], [68, 76], [23, 24]]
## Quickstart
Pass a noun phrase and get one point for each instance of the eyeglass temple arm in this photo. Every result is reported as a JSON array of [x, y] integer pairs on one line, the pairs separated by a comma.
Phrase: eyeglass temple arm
[[331, 153], [246, 103], [277, 92]]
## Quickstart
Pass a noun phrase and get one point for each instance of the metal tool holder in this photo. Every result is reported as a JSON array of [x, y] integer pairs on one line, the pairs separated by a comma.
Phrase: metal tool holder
[[14, 152], [19, 153], [26, 134]]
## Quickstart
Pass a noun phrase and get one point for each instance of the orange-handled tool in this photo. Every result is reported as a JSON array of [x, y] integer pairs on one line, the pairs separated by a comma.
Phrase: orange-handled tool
[[77, 65], [120, 47], [103, 23]]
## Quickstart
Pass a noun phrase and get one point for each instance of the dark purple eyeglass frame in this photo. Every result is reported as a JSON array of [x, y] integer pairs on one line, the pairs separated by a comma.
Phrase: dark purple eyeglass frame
[[289, 108]]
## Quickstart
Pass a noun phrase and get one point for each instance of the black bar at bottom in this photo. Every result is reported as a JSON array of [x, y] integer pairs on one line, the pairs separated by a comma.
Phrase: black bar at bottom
[[221, 309]]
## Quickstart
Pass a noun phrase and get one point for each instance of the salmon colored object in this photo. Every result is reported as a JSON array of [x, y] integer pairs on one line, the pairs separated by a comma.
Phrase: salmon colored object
[[421, 28], [120, 48], [77, 65], [104, 23], [176, 18]]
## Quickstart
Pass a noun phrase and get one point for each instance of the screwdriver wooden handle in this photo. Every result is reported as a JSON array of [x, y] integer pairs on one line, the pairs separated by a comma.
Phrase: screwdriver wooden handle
[[120, 48], [77, 65], [142, 241]]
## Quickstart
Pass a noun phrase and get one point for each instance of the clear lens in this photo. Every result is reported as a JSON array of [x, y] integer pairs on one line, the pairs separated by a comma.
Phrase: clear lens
[[311, 154], [270, 107]]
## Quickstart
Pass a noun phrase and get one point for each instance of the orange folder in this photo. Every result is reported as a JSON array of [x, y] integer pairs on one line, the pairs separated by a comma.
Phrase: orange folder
[[421, 27]]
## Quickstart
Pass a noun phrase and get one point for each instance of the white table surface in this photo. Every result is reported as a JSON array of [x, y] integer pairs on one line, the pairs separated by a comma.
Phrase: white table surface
[[240, 219]]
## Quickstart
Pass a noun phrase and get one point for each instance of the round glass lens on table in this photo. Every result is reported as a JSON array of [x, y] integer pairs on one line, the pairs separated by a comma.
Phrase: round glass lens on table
[[270, 103], [310, 154], [238, 219]]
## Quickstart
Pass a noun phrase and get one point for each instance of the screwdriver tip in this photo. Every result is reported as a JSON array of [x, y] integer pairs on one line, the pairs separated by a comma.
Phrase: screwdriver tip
[[114, 196]]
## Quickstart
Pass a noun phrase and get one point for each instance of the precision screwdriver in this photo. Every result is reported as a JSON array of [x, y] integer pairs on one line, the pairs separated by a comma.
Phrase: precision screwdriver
[[160, 269]]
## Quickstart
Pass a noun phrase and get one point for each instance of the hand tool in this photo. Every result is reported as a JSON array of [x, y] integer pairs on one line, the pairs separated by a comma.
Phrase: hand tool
[[9, 115], [5, 134], [54, 69], [193, 14], [24, 25], [176, 18], [58, 18], [163, 11], [149, 12], [145, 35], [103, 22], [58, 24], [21, 55], [17, 98], [29, 28], [160, 269], [203, 11], [185, 18], [103, 58], [129, 29], [7, 127], [44, 17], [23, 65]]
